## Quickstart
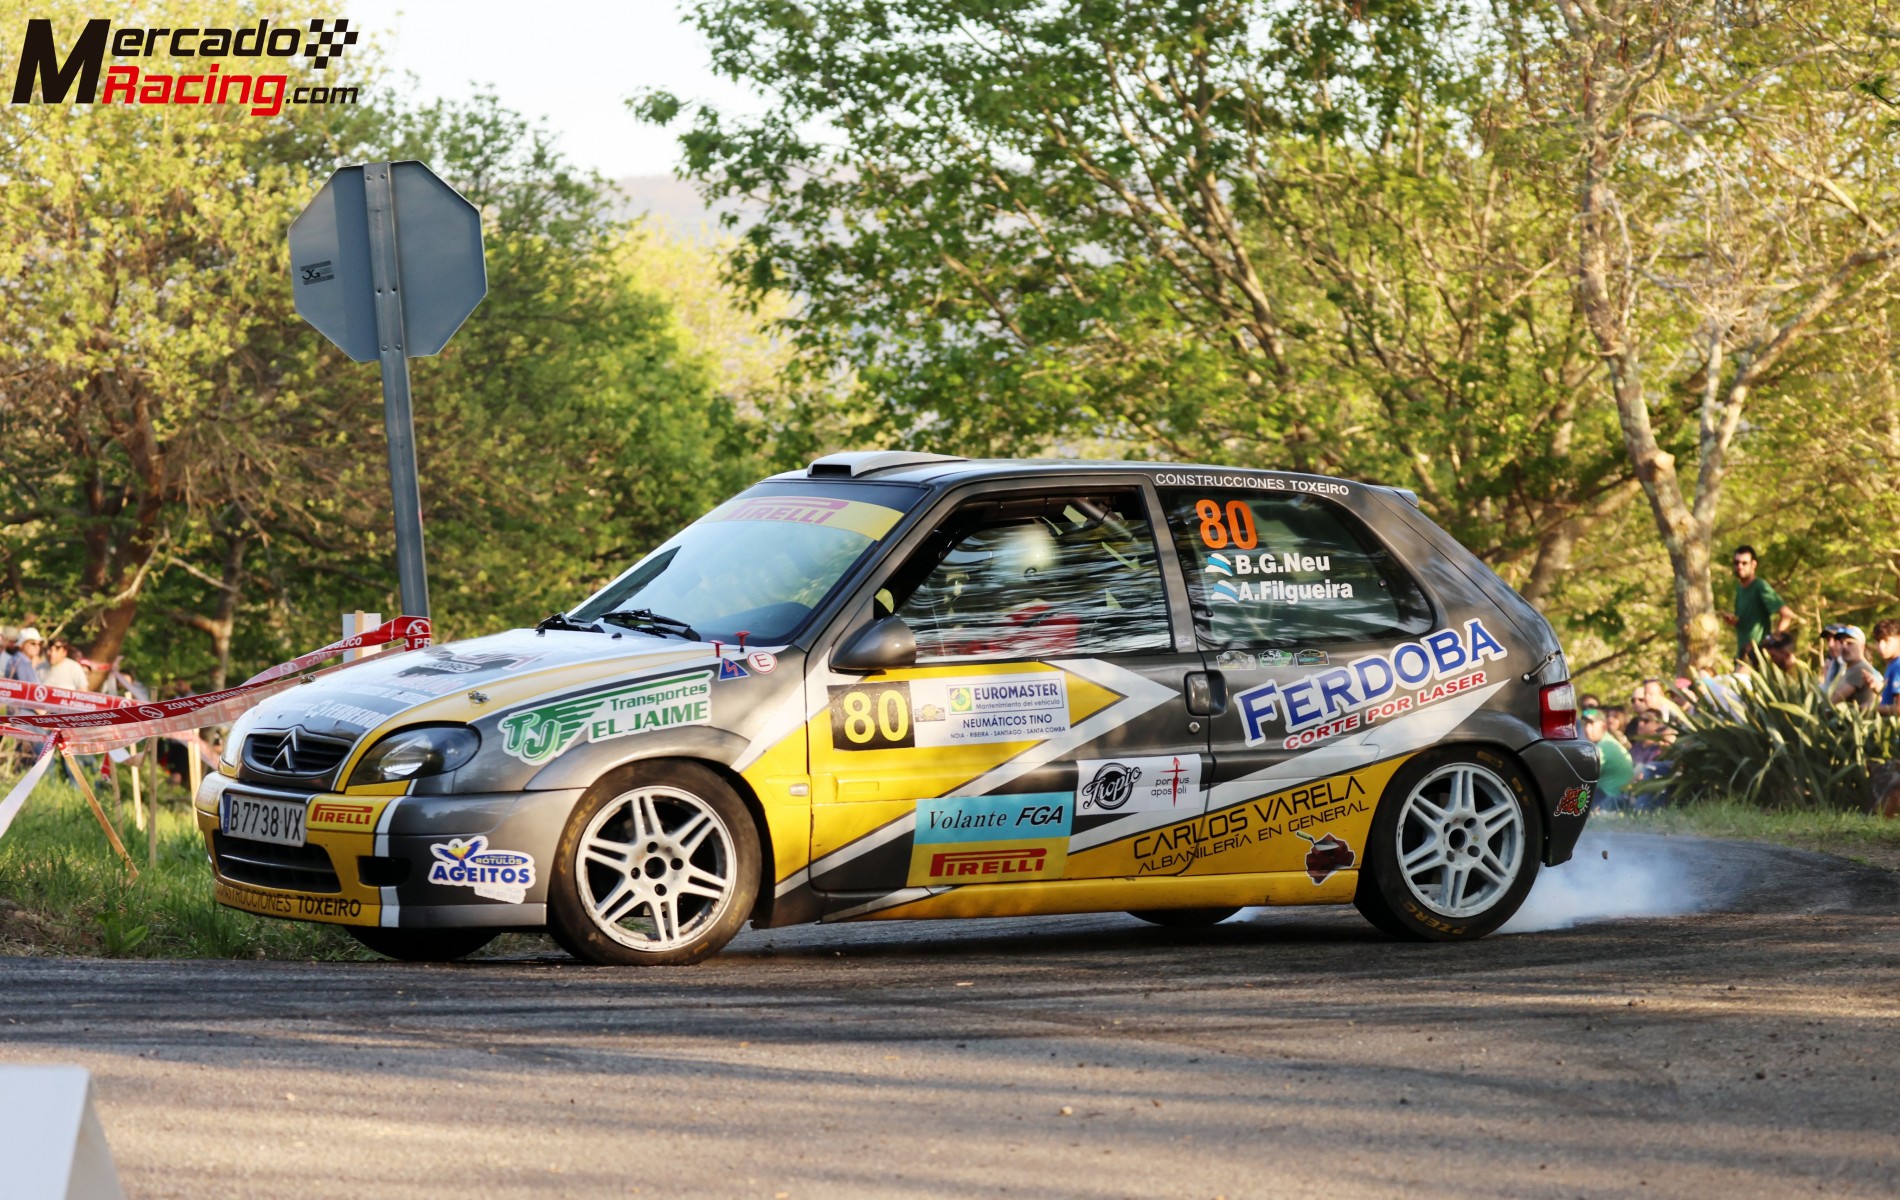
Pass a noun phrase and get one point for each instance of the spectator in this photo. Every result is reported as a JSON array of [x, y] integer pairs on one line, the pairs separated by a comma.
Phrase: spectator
[[1589, 700], [1648, 737], [61, 669], [1618, 718], [1831, 657], [13, 664], [1887, 642], [30, 643], [1778, 648], [1858, 682], [1756, 604], [1613, 780], [1657, 702]]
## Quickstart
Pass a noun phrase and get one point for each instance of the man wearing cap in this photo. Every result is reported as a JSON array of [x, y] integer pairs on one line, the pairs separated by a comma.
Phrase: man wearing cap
[[1858, 682], [14, 664], [1779, 648], [1831, 657], [1756, 604]]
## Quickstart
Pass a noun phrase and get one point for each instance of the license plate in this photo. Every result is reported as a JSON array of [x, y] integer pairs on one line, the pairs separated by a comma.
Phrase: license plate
[[261, 820]]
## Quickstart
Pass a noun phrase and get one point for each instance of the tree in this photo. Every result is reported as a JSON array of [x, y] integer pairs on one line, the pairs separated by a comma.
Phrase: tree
[[1737, 211]]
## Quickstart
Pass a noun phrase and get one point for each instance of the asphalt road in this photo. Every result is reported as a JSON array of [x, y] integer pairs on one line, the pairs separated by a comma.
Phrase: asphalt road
[[1748, 1050]]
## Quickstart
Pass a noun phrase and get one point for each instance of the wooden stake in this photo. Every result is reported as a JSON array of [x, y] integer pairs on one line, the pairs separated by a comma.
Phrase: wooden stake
[[112, 835], [195, 771], [138, 799]]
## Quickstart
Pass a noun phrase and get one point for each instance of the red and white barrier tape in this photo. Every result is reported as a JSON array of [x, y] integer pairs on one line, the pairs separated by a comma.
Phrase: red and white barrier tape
[[105, 729], [10, 807], [58, 699]]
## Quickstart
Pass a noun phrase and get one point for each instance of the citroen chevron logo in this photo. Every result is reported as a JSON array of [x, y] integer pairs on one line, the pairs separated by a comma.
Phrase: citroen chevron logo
[[286, 757]]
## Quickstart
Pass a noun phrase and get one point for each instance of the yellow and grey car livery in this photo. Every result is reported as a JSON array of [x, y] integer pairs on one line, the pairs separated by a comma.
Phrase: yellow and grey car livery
[[1078, 754]]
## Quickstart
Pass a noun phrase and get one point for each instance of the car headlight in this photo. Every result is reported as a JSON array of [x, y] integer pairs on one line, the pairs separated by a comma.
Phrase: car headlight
[[412, 753]]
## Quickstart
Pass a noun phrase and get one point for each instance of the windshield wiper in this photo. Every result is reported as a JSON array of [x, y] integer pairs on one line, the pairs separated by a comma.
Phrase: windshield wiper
[[646, 618], [560, 621]]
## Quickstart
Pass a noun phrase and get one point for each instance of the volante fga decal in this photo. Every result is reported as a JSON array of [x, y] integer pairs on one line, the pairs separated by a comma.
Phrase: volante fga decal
[[951, 711], [990, 839], [1326, 703], [537, 734], [493, 874], [1171, 783]]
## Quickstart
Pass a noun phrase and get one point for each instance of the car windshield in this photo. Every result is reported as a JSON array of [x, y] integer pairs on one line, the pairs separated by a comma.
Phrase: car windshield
[[757, 564]]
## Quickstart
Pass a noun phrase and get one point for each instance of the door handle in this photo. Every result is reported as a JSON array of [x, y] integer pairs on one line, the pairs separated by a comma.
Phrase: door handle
[[1206, 693]]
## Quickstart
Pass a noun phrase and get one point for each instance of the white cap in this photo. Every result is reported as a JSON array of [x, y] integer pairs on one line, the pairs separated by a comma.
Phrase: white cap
[[30, 634]]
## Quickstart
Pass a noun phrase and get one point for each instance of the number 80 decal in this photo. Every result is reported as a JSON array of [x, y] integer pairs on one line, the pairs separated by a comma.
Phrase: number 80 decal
[[871, 716]]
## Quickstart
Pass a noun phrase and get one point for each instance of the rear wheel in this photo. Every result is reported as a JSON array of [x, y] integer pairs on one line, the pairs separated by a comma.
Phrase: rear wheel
[[1183, 918], [1454, 848], [423, 945], [659, 865]]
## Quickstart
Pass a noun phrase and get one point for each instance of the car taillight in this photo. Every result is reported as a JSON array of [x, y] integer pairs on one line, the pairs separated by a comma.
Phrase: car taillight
[[1557, 709]]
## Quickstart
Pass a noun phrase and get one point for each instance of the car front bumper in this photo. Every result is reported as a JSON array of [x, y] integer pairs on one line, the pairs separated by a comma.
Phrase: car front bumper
[[391, 861]]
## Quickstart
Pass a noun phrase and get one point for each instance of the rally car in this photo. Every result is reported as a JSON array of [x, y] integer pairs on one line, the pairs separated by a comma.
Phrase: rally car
[[899, 685]]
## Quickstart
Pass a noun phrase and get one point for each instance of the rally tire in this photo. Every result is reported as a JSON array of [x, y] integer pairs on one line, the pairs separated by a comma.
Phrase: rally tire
[[658, 866], [422, 945], [1454, 847], [1183, 918]]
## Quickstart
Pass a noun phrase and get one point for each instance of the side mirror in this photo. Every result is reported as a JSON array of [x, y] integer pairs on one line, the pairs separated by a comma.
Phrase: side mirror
[[879, 646]]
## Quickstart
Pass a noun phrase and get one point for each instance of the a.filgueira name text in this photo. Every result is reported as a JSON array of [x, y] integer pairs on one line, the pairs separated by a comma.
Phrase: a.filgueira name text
[[76, 72]]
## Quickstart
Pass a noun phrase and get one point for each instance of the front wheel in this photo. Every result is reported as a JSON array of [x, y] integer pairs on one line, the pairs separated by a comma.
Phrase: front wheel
[[422, 945], [659, 865], [1453, 849]]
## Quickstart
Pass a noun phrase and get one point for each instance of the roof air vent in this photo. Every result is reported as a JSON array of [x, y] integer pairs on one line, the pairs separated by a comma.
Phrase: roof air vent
[[853, 463]]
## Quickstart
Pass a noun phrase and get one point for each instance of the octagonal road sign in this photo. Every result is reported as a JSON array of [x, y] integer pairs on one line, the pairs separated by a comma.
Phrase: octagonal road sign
[[437, 271]]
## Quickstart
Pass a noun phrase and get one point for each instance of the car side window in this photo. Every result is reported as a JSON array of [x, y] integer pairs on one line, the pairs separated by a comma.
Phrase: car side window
[[1032, 577], [1288, 570]]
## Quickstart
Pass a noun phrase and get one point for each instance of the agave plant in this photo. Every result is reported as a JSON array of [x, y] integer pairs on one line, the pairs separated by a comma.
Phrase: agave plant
[[1778, 743]]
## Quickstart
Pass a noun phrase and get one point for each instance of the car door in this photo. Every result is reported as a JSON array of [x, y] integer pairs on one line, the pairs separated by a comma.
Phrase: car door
[[1046, 702], [1299, 608]]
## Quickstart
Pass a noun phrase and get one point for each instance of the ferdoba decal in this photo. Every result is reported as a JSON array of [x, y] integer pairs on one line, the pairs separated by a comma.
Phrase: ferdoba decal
[[1332, 701]]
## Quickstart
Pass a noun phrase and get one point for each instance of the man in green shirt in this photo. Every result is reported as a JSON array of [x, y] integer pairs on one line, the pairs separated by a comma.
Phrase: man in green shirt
[[1755, 606]]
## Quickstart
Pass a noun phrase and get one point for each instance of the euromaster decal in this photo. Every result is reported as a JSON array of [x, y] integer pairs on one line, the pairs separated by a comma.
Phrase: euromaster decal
[[75, 71], [1332, 702], [957, 711]]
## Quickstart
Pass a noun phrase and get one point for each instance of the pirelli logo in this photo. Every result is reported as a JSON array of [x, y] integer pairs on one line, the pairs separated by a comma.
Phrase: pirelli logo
[[963, 864], [334, 814]]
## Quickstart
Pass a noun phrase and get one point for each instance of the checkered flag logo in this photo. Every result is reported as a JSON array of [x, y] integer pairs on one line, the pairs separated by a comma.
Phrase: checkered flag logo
[[327, 40]]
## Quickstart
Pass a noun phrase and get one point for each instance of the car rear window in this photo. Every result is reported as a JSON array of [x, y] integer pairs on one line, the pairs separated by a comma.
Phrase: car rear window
[[1271, 569]]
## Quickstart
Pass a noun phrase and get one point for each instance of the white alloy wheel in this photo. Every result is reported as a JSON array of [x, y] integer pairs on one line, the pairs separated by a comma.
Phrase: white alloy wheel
[[656, 868], [1461, 840]]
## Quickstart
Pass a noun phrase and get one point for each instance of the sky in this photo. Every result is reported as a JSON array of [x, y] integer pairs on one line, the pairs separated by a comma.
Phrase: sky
[[523, 51]]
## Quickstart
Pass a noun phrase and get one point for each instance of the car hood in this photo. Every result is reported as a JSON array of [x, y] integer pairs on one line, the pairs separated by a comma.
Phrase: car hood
[[466, 680]]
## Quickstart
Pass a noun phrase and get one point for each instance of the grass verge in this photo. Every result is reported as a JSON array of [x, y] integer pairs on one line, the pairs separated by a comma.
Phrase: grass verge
[[1872, 840], [64, 891]]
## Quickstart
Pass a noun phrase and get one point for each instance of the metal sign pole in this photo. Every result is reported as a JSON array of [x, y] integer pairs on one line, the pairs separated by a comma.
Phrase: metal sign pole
[[398, 420]]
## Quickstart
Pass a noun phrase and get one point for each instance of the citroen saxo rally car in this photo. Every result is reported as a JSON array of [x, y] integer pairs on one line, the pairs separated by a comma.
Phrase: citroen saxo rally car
[[900, 685]]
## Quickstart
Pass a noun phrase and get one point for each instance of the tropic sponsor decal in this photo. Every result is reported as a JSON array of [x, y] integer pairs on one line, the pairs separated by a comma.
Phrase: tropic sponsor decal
[[343, 815], [991, 839], [492, 874], [1114, 786], [537, 734], [868, 520], [288, 904], [1334, 701], [1575, 801]]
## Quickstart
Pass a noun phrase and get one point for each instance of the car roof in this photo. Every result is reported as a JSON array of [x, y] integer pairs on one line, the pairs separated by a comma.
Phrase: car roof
[[936, 470]]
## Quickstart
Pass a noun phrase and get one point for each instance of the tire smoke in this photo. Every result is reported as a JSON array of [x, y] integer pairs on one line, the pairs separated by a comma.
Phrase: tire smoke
[[1615, 876]]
